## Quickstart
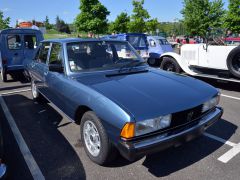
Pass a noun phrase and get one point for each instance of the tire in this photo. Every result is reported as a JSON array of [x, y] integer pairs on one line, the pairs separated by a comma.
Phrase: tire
[[104, 150], [3, 75], [35, 94], [170, 64], [151, 61], [233, 62]]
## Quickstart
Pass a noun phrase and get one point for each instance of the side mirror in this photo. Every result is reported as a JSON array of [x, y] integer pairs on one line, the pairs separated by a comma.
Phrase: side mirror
[[56, 68]]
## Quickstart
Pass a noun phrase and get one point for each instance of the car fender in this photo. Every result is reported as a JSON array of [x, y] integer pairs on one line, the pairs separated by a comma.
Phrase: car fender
[[183, 64]]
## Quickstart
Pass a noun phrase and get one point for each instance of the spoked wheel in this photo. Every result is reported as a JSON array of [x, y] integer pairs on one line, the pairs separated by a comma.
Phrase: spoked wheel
[[95, 139], [170, 64]]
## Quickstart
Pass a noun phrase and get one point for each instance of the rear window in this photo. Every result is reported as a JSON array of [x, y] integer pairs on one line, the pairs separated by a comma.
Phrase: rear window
[[30, 41], [14, 42], [137, 41]]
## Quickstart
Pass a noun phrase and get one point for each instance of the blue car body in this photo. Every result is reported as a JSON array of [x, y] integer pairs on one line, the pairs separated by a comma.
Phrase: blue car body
[[121, 97], [16, 46], [157, 46]]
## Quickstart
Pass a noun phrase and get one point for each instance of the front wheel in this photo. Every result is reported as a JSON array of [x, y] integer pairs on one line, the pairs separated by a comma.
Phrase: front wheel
[[233, 62], [95, 139], [3, 75], [170, 64]]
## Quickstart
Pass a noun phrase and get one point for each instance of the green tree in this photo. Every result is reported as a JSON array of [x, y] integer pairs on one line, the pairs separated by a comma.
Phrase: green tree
[[92, 18], [152, 25], [4, 23], [232, 19], [47, 24], [61, 26], [139, 17], [200, 15], [120, 25]]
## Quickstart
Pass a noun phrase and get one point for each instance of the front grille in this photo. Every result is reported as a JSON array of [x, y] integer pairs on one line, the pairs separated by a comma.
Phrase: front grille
[[184, 117]]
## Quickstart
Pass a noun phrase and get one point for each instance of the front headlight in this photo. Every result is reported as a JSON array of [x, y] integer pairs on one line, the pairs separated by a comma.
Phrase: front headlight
[[211, 103], [151, 125]]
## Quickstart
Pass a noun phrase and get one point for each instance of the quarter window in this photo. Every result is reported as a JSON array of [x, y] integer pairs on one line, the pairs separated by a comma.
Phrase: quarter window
[[30, 41], [43, 52], [56, 54], [14, 42]]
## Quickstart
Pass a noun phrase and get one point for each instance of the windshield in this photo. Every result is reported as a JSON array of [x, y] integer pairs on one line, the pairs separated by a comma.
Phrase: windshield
[[163, 42], [99, 55]]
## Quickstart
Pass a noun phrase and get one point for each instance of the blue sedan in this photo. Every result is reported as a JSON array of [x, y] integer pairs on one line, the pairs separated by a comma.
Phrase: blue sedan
[[121, 104]]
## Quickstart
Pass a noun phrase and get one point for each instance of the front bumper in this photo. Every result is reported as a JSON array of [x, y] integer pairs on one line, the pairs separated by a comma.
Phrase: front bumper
[[131, 150]]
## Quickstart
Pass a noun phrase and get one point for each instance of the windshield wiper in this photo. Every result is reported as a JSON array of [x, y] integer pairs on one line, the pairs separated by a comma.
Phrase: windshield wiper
[[131, 65]]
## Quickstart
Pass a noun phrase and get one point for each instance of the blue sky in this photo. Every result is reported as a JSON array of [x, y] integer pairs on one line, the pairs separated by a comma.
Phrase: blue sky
[[164, 10]]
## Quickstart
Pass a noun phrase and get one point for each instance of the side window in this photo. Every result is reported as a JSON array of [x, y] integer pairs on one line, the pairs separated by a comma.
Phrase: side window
[[56, 54], [14, 42], [152, 43], [43, 52], [30, 41]]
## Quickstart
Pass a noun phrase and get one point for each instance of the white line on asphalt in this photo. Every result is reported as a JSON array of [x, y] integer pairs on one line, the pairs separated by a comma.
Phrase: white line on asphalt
[[224, 141], [13, 92], [230, 154], [232, 97], [29, 159]]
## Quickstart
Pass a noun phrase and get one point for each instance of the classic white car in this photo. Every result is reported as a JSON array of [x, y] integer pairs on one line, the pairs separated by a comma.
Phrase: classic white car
[[219, 62]]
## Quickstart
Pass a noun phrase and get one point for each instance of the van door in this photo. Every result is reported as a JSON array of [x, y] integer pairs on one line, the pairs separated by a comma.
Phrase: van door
[[30, 45], [14, 51]]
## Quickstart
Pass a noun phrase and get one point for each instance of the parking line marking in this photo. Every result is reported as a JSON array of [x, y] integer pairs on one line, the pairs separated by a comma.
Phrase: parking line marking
[[28, 157], [230, 154], [232, 97], [13, 92], [224, 141]]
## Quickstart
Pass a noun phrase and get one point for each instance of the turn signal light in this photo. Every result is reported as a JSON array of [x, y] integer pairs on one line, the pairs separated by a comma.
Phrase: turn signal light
[[128, 130]]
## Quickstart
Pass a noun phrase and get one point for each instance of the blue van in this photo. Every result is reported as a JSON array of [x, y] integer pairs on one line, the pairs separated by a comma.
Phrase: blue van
[[157, 46], [137, 40], [16, 45]]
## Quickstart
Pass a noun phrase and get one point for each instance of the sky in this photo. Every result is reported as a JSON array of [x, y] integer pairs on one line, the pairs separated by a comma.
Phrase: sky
[[27, 10]]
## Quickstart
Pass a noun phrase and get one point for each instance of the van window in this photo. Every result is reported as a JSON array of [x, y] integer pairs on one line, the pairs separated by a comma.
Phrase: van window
[[137, 41], [14, 42], [30, 41], [56, 54], [43, 52]]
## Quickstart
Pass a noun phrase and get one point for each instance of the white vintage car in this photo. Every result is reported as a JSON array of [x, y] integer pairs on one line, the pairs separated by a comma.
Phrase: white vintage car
[[219, 62]]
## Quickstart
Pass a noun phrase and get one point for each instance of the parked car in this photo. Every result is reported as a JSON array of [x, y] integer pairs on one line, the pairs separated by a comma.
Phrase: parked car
[[206, 60], [120, 102], [137, 40], [157, 46], [17, 45]]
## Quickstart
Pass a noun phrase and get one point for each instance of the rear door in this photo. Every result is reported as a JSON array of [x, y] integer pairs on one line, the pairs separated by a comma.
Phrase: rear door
[[30, 45], [14, 52]]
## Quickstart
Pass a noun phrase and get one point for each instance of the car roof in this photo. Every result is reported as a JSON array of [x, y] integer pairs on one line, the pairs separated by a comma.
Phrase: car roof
[[19, 31], [156, 37], [70, 40]]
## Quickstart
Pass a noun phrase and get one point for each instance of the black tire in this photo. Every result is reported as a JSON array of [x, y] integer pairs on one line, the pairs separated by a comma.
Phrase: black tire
[[3, 75], [35, 94], [152, 62], [107, 151], [170, 64], [233, 62]]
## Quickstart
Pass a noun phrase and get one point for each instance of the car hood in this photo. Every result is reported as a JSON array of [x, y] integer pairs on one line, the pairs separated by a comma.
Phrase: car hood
[[151, 93]]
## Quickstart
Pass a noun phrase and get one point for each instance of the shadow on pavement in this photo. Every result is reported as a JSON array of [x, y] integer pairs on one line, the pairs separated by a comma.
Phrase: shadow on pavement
[[17, 76], [13, 87], [174, 159], [52, 152]]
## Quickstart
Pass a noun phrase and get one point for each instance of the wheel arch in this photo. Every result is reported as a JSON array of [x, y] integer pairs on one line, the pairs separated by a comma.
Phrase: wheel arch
[[79, 112]]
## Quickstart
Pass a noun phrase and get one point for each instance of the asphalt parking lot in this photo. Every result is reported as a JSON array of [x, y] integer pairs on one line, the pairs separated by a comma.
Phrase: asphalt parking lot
[[54, 143]]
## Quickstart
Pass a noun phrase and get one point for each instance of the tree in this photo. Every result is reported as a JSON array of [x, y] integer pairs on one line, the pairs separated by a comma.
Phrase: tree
[[4, 23], [139, 17], [232, 19], [152, 25], [61, 26], [47, 24], [92, 18], [120, 24], [200, 15]]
